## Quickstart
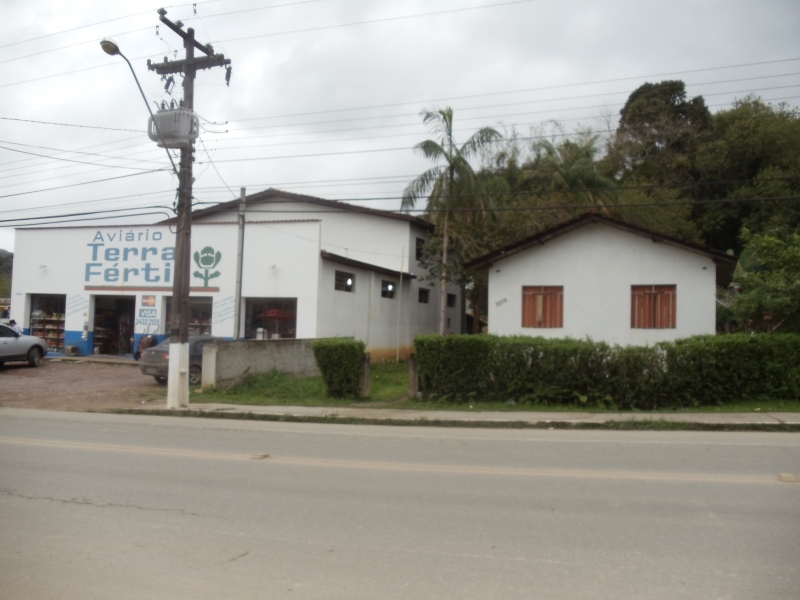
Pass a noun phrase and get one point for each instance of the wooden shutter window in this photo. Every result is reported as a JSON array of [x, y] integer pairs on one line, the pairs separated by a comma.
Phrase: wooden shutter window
[[653, 306], [543, 307]]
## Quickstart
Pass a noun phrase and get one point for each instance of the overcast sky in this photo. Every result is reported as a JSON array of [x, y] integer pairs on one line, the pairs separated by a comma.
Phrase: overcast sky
[[345, 81]]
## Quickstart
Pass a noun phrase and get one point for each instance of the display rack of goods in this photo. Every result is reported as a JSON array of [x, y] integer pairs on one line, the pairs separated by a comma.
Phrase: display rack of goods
[[49, 327]]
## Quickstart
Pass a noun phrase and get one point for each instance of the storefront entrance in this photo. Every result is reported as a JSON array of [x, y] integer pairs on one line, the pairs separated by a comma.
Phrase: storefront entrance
[[113, 324]]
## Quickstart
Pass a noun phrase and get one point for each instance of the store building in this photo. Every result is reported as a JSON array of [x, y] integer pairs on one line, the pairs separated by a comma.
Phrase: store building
[[311, 268]]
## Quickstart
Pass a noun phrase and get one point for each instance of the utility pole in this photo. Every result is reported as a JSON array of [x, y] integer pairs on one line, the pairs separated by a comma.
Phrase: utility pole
[[178, 390], [237, 295]]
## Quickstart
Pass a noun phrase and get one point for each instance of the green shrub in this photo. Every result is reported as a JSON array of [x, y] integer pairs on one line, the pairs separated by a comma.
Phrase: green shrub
[[703, 370], [339, 360]]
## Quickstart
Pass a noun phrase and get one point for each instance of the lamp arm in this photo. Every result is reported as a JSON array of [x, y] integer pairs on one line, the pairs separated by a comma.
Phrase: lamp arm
[[147, 104]]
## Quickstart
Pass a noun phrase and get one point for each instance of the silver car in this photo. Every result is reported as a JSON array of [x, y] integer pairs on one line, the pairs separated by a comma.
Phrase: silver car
[[17, 346]]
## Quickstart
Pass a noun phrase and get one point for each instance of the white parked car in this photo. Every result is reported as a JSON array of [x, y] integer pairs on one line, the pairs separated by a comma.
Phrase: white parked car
[[17, 346]]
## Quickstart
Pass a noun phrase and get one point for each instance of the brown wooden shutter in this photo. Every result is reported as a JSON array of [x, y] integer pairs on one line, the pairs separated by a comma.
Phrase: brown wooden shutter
[[653, 306], [543, 307]]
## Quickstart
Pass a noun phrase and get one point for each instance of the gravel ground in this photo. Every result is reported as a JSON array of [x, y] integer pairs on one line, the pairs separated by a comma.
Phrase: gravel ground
[[77, 386]]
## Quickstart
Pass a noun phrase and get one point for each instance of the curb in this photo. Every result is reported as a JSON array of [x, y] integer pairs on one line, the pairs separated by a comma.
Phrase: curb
[[625, 425]]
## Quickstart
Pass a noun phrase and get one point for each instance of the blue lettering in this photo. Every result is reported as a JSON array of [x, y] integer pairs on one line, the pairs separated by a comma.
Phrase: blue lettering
[[127, 251], [156, 233], [129, 237], [128, 271], [97, 235], [94, 248], [112, 254], [89, 271], [168, 253], [147, 270], [146, 251], [111, 274]]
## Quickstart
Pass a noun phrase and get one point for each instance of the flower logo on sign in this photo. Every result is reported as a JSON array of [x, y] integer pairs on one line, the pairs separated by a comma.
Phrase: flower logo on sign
[[207, 259]]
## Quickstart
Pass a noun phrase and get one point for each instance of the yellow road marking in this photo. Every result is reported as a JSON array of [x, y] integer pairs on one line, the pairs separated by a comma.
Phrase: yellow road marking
[[400, 467]]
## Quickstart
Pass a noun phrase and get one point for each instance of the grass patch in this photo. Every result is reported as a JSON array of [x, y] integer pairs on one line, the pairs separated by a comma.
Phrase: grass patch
[[388, 383]]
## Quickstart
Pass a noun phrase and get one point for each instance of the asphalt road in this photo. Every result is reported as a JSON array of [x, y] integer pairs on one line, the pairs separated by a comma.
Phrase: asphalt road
[[104, 506]]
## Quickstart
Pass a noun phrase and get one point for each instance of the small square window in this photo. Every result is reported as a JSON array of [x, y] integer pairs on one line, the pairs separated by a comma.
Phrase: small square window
[[420, 248], [345, 282], [387, 289], [451, 300], [543, 307], [424, 295], [653, 306]]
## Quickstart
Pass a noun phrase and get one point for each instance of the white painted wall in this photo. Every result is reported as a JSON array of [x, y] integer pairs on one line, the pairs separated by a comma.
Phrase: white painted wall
[[373, 239], [597, 265], [282, 261], [70, 260]]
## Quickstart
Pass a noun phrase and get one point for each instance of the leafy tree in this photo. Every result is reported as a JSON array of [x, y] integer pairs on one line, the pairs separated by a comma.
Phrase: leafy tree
[[751, 141], [6, 262], [769, 276], [658, 133], [450, 185]]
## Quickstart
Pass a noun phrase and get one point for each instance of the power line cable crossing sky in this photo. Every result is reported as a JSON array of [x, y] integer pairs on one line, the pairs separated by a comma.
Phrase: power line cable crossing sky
[[325, 95]]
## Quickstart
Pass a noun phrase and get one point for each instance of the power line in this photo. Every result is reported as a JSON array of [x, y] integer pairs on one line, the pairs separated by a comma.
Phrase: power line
[[55, 219], [61, 187], [536, 89], [54, 158], [72, 124], [384, 20], [116, 35], [83, 219], [61, 204], [539, 101], [101, 23], [80, 162], [94, 212], [92, 41]]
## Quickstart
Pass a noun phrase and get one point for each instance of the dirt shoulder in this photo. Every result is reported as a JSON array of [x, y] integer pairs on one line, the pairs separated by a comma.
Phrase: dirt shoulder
[[77, 386]]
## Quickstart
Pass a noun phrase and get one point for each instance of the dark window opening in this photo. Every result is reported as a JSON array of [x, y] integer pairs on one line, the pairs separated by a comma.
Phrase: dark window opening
[[420, 248], [424, 295], [200, 310], [345, 282], [270, 318], [451, 300], [387, 289]]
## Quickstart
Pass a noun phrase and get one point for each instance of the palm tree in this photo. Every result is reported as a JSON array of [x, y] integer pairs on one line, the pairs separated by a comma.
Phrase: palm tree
[[449, 185]]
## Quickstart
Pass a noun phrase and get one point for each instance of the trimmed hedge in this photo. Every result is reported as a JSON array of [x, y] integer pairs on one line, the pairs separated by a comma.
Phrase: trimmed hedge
[[339, 360], [703, 370]]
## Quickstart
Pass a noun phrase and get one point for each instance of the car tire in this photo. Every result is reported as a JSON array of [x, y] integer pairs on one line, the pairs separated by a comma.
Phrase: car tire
[[34, 357], [195, 375], [160, 380]]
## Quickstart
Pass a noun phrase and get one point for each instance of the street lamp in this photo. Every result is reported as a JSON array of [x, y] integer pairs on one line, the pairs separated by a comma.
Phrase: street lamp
[[111, 48]]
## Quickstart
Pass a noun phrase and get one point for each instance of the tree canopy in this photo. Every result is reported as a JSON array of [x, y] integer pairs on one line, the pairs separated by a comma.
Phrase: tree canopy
[[728, 179]]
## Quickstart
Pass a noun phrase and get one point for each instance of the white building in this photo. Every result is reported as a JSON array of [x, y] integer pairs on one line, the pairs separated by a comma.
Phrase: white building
[[602, 278], [312, 268]]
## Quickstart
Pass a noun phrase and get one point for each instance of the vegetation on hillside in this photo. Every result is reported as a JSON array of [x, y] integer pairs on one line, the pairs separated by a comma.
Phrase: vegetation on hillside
[[729, 180]]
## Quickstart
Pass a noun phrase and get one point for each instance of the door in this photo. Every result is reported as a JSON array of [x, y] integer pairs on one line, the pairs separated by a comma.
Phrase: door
[[11, 344]]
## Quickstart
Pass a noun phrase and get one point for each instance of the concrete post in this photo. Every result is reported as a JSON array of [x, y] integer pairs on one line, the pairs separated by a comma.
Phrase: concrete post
[[413, 376], [209, 365], [364, 376]]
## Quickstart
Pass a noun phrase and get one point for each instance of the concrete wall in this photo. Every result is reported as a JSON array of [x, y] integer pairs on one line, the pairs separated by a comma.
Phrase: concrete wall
[[224, 361], [597, 265]]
